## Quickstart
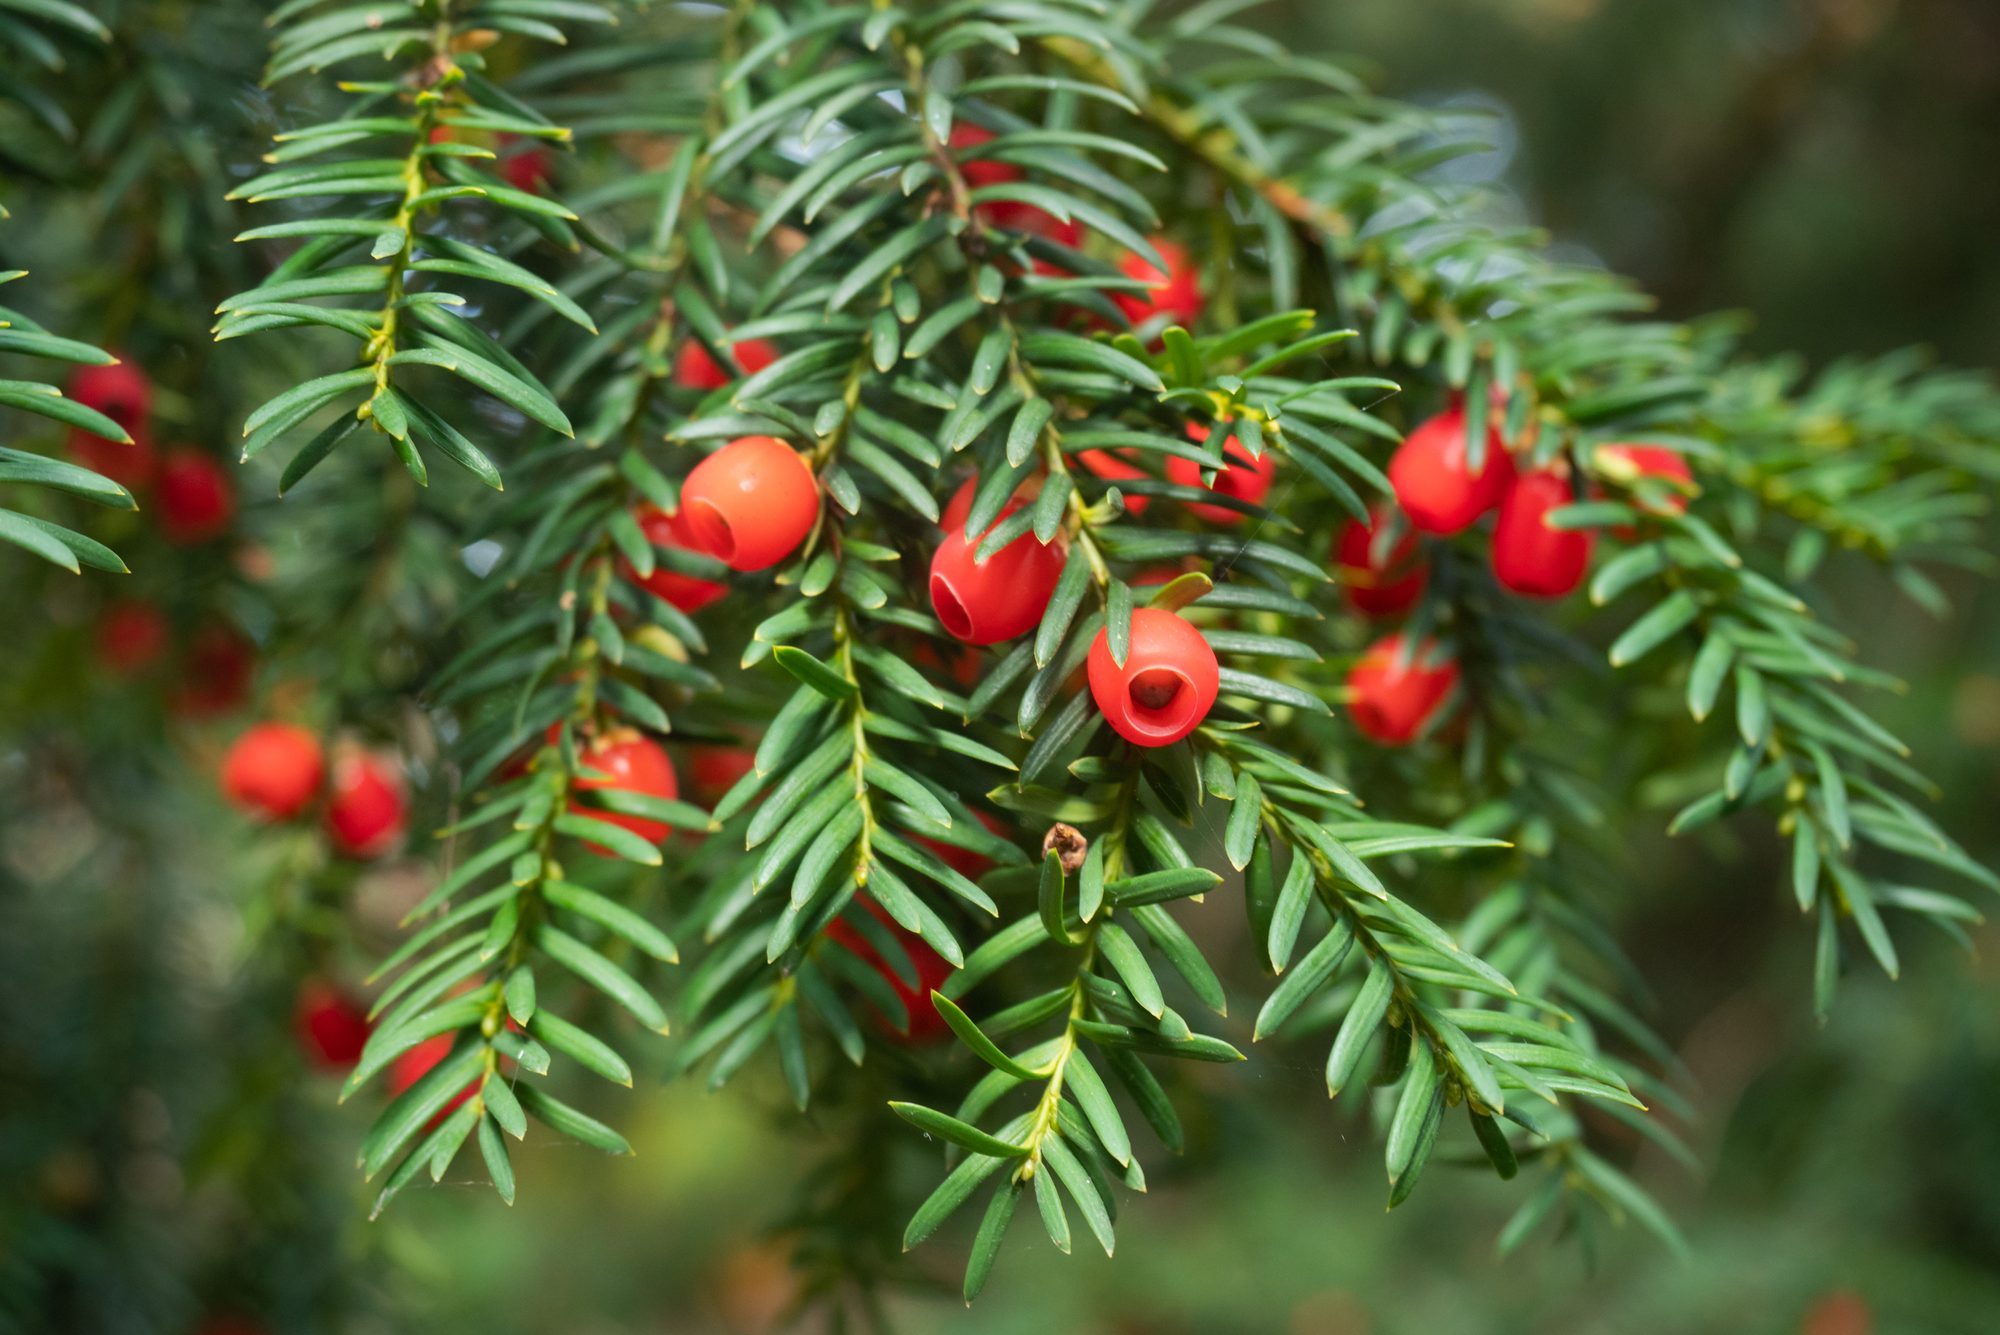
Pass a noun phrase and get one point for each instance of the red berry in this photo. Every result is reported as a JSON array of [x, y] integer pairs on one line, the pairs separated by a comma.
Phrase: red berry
[[419, 1062], [120, 391], [273, 770], [1434, 482], [366, 809], [751, 503], [1529, 556], [978, 172], [216, 677], [528, 168], [687, 592], [714, 770], [332, 1026], [1393, 702], [1168, 682], [131, 636], [1116, 466], [925, 1024], [1627, 464], [195, 497], [1245, 478], [958, 507], [628, 762], [985, 602], [1177, 291], [123, 394], [1012, 214], [695, 367], [1378, 582]]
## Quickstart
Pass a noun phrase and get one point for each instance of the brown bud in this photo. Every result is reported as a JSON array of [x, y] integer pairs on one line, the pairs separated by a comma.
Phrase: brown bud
[[1069, 845]]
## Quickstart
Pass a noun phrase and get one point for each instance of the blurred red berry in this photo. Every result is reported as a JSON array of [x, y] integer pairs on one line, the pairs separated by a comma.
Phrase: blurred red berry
[[962, 663], [1115, 466], [332, 1026], [687, 592], [273, 770], [1379, 580], [1629, 465], [979, 172], [194, 497], [216, 675], [120, 391], [123, 394], [1393, 702], [131, 637], [1243, 479], [714, 770], [1176, 293], [626, 761], [366, 808], [932, 969], [1036, 220], [1530, 556], [419, 1062], [527, 169], [132, 466], [695, 367], [1433, 477], [1840, 1312]]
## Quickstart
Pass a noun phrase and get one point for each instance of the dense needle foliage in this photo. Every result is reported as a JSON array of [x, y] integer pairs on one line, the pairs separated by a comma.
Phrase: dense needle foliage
[[533, 243]]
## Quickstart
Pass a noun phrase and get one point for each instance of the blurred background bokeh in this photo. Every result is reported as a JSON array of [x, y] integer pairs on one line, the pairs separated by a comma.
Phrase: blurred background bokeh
[[1829, 164]]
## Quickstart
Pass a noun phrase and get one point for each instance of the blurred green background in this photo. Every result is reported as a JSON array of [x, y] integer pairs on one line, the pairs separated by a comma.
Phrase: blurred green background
[[1827, 163]]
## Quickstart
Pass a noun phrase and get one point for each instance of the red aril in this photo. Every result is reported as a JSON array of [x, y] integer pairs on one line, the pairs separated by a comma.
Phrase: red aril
[[751, 503], [1435, 482], [932, 969], [689, 593], [193, 497], [131, 637], [273, 770], [1378, 578], [216, 674], [1530, 556], [332, 1026], [1176, 291], [995, 599], [1243, 478], [626, 761], [1165, 687], [695, 367], [366, 808], [1393, 701]]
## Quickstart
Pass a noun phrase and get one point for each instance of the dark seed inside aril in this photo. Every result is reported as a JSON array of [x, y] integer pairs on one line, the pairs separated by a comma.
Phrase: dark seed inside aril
[[1155, 688]]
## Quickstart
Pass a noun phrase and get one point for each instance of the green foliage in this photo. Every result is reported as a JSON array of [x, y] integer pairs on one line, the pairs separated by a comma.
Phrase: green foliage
[[788, 172], [21, 336], [53, 542]]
